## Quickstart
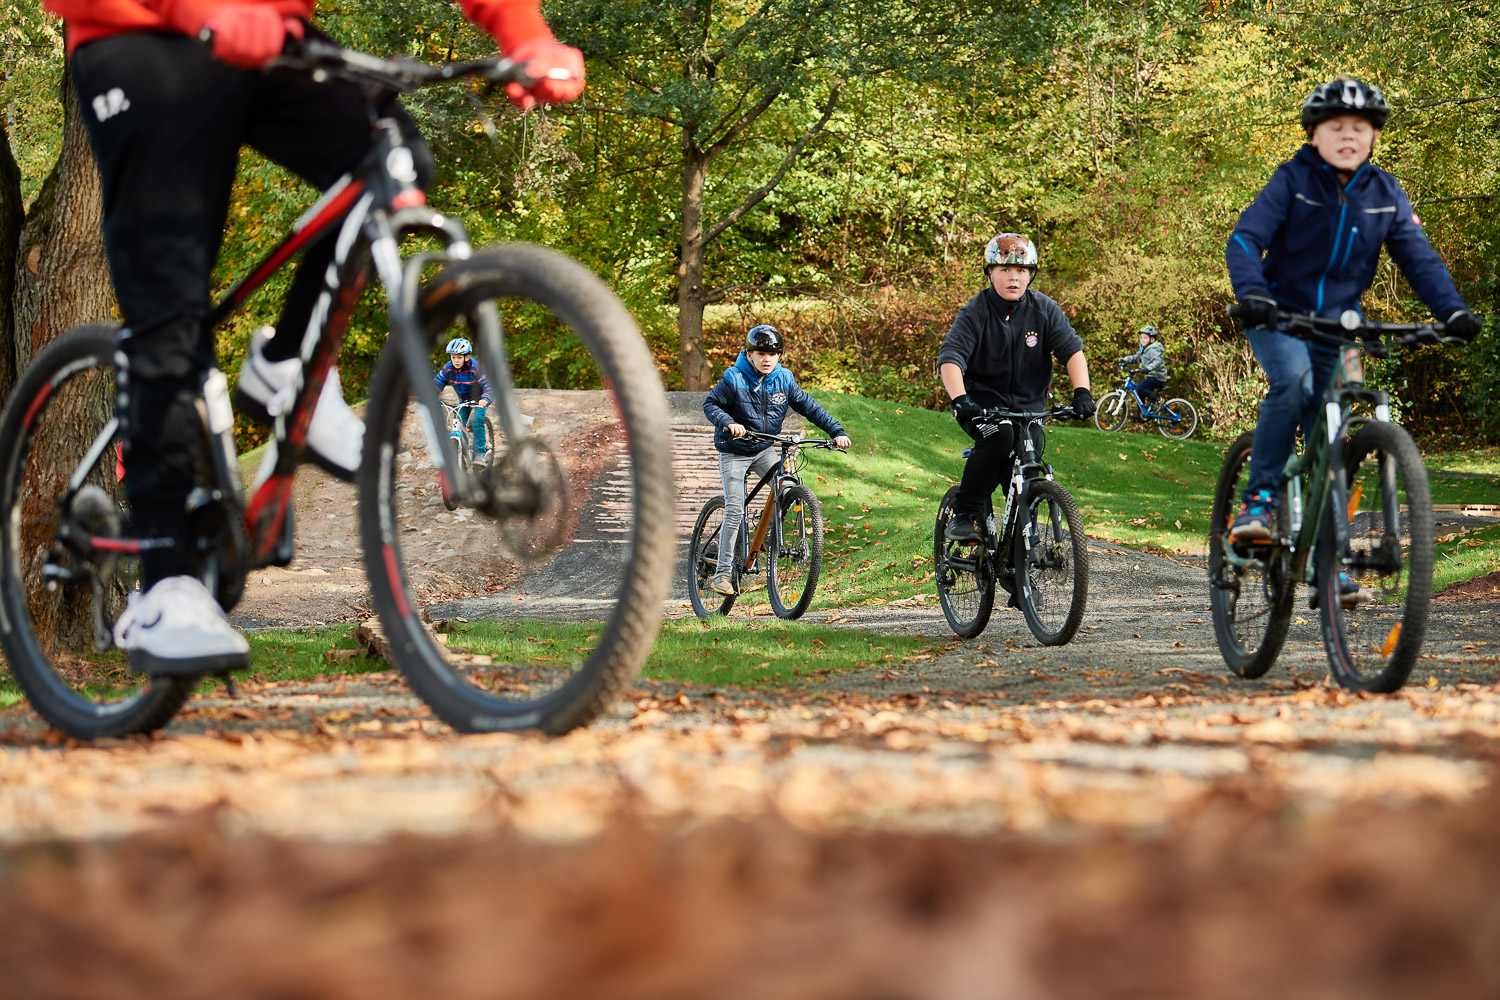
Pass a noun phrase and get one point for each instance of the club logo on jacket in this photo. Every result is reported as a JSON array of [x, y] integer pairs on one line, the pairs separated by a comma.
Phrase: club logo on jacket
[[110, 103], [1030, 338], [778, 398]]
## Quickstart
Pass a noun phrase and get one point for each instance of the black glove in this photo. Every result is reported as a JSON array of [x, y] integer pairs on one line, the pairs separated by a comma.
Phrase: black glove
[[1083, 403], [1258, 310], [1464, 325], [964, 408]]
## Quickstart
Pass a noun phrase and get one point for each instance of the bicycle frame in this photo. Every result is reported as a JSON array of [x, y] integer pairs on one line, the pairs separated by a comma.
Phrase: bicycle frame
[[778, 477], [1322, 456]]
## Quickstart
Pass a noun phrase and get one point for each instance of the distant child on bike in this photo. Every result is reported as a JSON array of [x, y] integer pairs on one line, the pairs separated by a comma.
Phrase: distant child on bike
[[754, 395], [1151, 358], [1310, 243], [999, 353], [463, 373]]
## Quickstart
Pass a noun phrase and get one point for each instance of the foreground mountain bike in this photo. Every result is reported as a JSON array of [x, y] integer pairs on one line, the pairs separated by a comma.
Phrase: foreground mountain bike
[[1037, 551], [1176, 418], [1355, 504], [788, 532], [68, 557]]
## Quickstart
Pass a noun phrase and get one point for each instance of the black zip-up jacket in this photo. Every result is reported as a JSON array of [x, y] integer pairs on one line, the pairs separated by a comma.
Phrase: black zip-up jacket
[[1005, 349]]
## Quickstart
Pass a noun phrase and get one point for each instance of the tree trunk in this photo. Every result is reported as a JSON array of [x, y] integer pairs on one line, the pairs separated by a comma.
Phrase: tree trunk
[[11, 215], [62, 277], [61, 281], [691, 296]]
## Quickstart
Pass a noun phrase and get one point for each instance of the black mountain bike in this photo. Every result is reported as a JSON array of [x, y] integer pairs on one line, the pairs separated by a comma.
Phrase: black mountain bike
[[1037, 552], [68, 556], [788, 532], [1176, 418], [1354, 505]]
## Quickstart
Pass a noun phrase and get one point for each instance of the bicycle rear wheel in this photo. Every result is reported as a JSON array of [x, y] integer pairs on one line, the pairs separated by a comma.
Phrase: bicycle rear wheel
[[1053, 576], [1251, 605], [703, 557], [1177, 419], [1373, 643], [792, 569], [561, 600], [1112, 410], [59, 430], [965, 584]]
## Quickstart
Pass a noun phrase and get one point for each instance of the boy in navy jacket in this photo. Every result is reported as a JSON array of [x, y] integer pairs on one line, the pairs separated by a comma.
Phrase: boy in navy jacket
[[1310, 243], [754, 395]]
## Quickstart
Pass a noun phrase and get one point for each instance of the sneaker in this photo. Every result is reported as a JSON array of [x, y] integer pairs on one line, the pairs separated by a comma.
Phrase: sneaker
[[1351, 593], [178, 628], [1254, 521], [963, 528], [722, 584], [264, 391]]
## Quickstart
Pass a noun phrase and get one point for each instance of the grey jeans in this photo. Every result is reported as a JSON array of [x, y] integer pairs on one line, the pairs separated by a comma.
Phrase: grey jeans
[[732, 472]]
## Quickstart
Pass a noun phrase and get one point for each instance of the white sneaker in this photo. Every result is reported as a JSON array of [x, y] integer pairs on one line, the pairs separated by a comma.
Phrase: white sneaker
[[265, 391], [176, 628]]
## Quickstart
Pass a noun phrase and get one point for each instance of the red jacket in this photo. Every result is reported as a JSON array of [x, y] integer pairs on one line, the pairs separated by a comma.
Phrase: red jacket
[[511, 22]]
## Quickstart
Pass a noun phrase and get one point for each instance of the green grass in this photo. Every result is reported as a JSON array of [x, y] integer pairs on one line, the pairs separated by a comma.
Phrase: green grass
[[1466, 556], [1484, 461], [1452, 490], [719, 651]]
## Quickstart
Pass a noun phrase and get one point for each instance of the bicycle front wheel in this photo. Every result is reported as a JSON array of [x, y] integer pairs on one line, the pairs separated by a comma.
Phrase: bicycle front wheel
[[1177, 419], [965, 584], [552, 579], [58, 429], [1053, 575], [703, 561], [1373, 635], [1251, 604], [1111, 410], [792, 571]]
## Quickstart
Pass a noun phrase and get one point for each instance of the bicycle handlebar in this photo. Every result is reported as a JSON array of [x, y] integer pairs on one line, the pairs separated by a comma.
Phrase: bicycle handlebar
[[1351, 326], [402, 75], [790, 440], [1055, 413]]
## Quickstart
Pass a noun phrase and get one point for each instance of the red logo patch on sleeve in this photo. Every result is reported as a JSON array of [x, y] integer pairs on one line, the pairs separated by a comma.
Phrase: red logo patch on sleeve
[[1416, 220]]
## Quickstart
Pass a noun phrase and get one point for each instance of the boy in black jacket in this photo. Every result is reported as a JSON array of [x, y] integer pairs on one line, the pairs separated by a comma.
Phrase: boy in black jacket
[[999, 353]]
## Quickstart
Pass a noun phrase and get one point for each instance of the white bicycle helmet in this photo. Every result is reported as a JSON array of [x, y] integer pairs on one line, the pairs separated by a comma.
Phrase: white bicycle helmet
[[458, 345]]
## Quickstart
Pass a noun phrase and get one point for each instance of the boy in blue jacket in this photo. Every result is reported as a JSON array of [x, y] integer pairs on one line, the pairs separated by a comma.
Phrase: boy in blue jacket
[[754, 394], [1310, 242]]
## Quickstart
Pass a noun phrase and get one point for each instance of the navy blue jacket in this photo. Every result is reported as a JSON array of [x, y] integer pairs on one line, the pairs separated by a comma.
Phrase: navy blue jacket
[[1313, 245], [759, 403]]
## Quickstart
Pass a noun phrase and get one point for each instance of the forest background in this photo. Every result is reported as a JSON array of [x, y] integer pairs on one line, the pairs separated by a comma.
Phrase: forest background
[[837, 168]]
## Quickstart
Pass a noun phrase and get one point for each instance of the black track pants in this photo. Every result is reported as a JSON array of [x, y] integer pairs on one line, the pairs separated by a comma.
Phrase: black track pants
[[166, 122], [990, 463]]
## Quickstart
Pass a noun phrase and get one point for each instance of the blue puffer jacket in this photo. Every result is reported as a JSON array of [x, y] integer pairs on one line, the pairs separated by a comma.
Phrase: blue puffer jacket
[[759, 403], [1313, 244]]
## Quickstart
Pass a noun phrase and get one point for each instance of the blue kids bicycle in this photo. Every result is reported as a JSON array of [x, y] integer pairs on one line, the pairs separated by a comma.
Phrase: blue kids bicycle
[[1175, 418]]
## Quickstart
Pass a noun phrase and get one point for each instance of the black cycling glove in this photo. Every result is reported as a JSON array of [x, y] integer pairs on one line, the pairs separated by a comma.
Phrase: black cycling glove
[[964, 408], [1258, 310], [1464, 325], [1083, 403]]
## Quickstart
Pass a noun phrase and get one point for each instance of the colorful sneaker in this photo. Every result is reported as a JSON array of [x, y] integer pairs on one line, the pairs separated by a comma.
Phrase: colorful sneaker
[[178, 628], [722, 584], [1254, 521]]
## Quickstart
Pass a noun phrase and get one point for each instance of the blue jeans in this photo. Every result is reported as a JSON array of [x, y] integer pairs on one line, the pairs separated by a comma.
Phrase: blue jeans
[[1299, 371], [476, 425]]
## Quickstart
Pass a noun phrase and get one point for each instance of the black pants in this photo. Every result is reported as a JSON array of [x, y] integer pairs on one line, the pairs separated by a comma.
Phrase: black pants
[[990, 463], [166, 122], [1149, 387]]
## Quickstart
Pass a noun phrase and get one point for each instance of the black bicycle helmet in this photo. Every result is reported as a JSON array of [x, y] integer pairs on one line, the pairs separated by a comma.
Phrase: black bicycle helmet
[[765, 338], [1344, 96]]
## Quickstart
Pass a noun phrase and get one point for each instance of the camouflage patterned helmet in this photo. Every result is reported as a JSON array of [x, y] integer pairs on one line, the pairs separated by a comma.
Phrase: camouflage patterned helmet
[[1012, 249]]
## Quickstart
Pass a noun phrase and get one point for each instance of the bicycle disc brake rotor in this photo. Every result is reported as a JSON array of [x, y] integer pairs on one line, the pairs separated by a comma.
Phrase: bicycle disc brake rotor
[[531, 499]]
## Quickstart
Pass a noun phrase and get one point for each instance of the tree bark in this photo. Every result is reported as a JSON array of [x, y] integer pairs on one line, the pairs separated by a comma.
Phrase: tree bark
[[691, 295], [11, 216], [62, 276], [62, 281]]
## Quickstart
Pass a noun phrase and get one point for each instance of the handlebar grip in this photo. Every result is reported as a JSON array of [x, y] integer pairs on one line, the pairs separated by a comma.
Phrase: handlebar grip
[[1233, 310]]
